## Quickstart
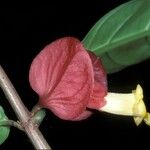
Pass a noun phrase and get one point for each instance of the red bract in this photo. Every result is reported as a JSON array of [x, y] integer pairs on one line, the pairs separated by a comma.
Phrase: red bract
[[68, 79]]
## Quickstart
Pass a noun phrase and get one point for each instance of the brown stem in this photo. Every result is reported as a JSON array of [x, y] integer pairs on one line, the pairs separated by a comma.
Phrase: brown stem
[[22, 113]]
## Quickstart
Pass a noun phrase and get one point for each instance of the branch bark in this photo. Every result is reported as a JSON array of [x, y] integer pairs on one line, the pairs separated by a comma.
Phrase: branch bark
[[22, 112]]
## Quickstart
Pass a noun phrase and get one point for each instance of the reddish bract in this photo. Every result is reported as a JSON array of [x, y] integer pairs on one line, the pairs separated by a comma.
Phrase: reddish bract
[[68, 79]]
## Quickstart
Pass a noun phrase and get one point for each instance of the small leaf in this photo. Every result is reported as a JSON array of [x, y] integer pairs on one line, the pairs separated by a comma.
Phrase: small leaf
[[122, 37], [4, 131]]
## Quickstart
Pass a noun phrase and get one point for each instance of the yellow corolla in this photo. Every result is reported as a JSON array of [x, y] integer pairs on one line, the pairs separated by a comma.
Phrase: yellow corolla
[[130, 104]]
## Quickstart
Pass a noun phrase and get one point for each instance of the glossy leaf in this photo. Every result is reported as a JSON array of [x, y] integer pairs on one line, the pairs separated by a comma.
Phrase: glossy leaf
[[122, 37], [4, 131]]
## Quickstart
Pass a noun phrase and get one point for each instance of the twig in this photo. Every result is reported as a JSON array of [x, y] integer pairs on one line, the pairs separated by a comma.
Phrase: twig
[[11, 123], [22, 113]]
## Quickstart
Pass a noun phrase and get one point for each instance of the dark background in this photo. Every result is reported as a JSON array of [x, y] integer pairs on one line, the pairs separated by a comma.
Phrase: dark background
[[24, 31]]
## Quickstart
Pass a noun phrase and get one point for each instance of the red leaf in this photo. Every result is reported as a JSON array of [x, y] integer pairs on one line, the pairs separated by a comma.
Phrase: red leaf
[[62, 76], [68, 79], [100, 83]]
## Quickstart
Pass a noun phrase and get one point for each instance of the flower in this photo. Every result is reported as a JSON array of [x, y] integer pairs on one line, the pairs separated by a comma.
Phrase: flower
[[129, 104], [68, 79]]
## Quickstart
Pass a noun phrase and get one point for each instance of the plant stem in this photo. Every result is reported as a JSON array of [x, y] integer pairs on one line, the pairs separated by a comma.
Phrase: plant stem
[[22, 113], [11, 123]]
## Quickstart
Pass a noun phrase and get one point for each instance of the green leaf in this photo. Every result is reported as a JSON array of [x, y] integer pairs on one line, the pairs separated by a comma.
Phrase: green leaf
[[122, 37], [4, 131]]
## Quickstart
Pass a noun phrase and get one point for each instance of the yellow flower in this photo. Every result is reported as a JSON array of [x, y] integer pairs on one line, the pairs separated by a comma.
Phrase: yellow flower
[[130, 104]]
